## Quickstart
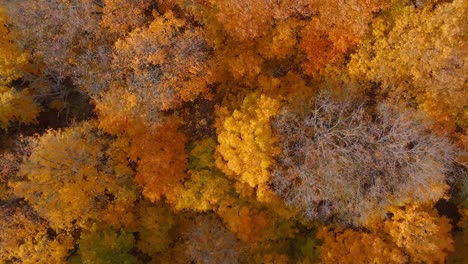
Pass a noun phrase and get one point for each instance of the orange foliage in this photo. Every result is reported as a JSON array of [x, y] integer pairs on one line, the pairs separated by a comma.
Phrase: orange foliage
[[250, 224], [244, 19], [350, 246], [414, 234], [338, 26], [164, 64], [161, 159], [121, 16], [127, 119]]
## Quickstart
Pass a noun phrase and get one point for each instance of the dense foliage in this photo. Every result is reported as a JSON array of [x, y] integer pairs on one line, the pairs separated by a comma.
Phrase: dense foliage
[[233, 131]]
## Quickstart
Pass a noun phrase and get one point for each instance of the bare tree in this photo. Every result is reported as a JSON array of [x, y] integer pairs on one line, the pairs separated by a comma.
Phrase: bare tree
[[339, 161]]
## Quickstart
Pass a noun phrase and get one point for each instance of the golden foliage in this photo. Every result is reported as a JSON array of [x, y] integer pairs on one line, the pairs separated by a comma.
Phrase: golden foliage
[[12, 58], [422, 234], [26, 237], [77, 176], [419, 57], [246, 147], [17, 107], [414, 234]]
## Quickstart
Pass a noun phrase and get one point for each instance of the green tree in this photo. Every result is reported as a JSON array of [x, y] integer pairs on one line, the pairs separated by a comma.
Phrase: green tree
[[106, 246]]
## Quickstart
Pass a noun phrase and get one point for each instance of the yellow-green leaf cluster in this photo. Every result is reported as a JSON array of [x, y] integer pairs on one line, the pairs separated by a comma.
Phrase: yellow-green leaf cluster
[[106, 246], [156, 224]]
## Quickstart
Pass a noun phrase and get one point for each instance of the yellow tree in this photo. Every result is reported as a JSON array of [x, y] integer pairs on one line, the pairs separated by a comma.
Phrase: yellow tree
[[15, 105], [411, 234], [12, 58], [255, 218], [207, 188], [246, 147], [78, 176], [419, 58], [421, 233], [28, 239]]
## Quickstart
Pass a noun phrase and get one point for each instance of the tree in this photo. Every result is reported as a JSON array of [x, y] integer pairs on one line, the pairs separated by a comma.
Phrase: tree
[[161, 159], [418, 58], [127, 119], [335, 27], [244, 20], [164, 64], [249, 21], [156, 227], [12, 58], [348, 246], [339, 161], [15, 105], [78, 176], [157, 148], [206, 240], [27, 238], [422, 234], [257, 218], [63, 37], [246, 143], [412, 233], [106, 246], [120, 17], [207, 188]]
